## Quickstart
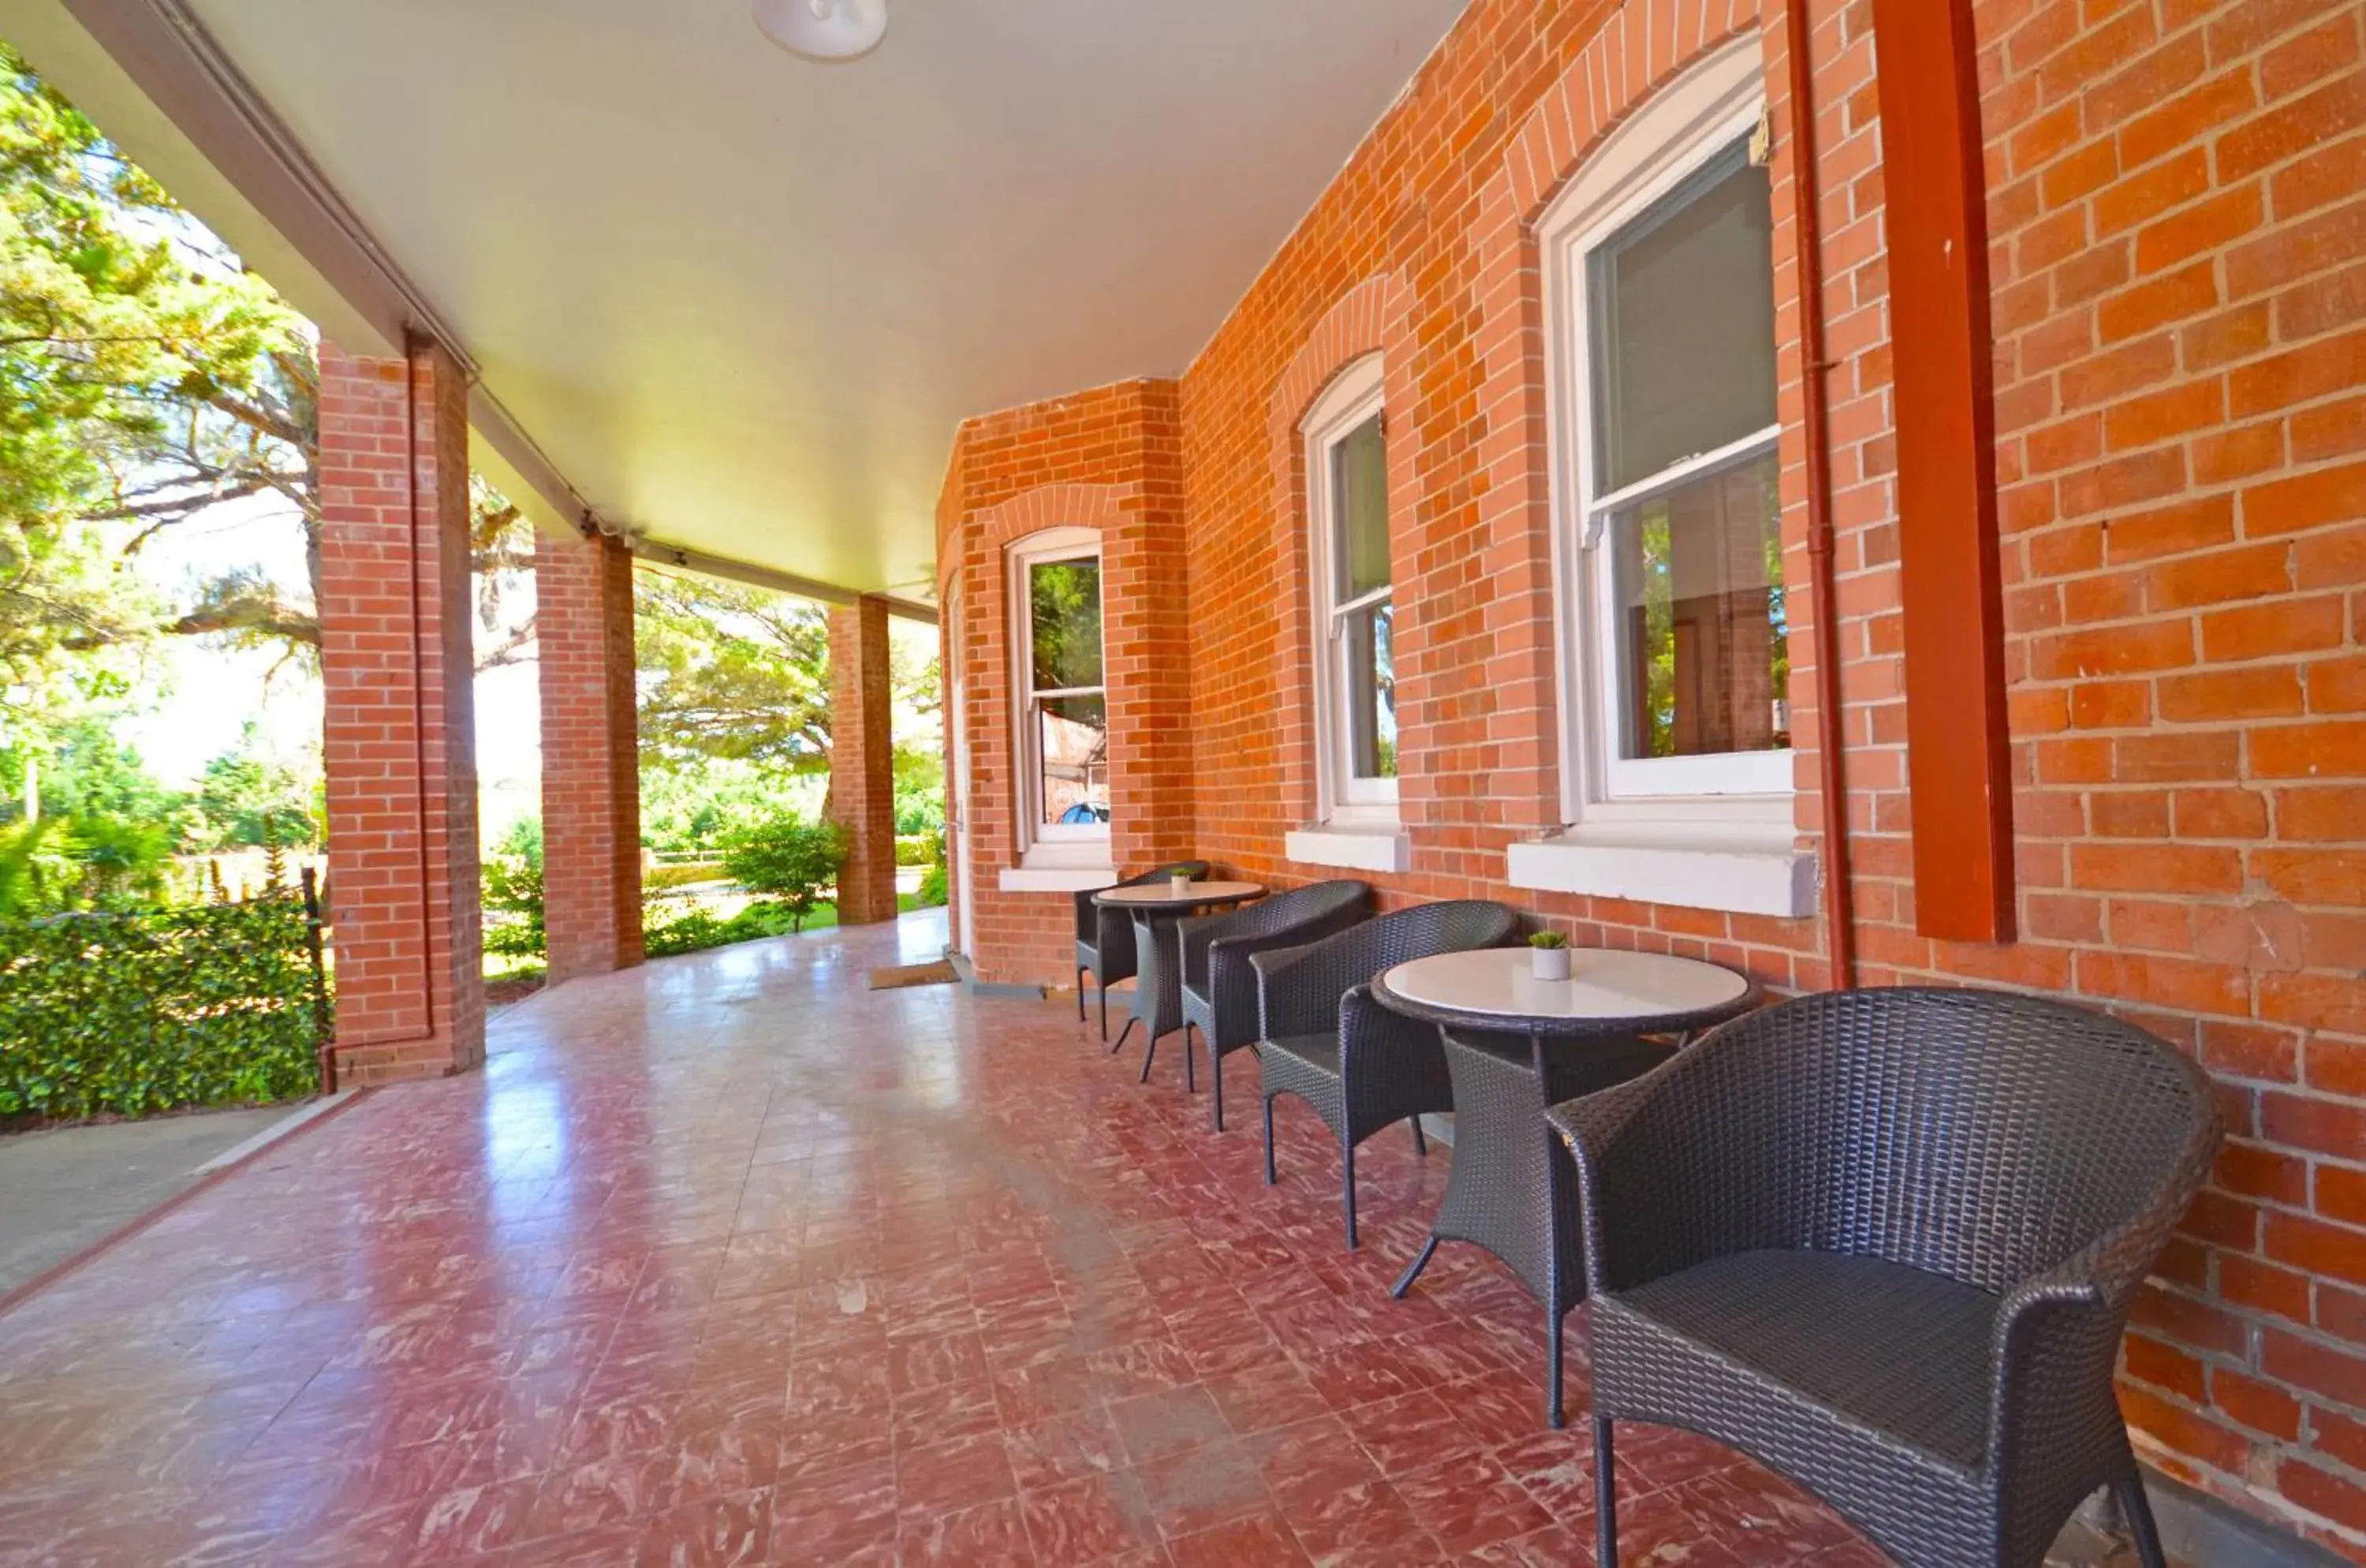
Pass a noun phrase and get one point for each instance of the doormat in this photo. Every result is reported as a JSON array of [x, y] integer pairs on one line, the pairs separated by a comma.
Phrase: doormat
[[896, 977]]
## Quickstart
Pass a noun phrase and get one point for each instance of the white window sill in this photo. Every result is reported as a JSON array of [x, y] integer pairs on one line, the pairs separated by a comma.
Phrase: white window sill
[[1745, 868], [1353, 846], [1062, 878]]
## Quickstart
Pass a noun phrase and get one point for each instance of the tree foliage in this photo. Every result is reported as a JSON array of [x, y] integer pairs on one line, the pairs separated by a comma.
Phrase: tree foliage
[[250, 801], [153, 378], [791, 861], [730, 671]]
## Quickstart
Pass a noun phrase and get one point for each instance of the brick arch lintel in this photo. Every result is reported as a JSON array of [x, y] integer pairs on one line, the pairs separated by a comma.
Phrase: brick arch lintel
[[1097, 506]]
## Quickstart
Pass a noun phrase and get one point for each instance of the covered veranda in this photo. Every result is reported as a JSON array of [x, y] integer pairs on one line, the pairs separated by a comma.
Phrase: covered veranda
[[1972, 599]]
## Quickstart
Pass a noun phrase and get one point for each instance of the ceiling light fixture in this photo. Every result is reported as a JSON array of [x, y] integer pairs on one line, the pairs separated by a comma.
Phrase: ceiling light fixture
[[824, 29]]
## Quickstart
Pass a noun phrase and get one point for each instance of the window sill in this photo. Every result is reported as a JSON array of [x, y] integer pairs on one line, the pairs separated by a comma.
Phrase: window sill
[[1060, 878], [1742, 867], [1352, 846]]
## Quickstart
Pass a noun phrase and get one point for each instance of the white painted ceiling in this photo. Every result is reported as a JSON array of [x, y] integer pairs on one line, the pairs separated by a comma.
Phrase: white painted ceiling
[[741, 299]]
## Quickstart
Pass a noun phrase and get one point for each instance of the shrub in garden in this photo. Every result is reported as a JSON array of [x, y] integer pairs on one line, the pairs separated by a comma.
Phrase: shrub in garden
[[695, 931], [512, 893], [788, 859], [122, 1014], [932, 893]]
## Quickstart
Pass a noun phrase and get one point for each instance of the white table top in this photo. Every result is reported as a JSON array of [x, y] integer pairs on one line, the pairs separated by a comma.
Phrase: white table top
[[1201, 893], [1602, 984]]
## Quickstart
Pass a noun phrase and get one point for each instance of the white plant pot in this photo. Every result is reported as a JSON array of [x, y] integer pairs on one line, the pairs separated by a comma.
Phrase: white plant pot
[[1549, 963], [1180, 887]]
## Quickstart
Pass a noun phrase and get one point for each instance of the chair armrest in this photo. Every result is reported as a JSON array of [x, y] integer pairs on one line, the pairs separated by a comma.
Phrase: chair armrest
[[1230, 982], [1388, 1064], [1291, 998], [1194, 935], [2058, 1338], [1594, 1128]]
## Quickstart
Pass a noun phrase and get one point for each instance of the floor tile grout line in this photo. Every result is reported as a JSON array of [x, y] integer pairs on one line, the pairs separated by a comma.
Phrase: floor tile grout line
[[56, 1271]]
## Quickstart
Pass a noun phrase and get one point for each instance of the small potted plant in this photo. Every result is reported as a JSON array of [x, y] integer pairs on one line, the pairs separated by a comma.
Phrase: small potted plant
[[1179, 884], [1549, 955]]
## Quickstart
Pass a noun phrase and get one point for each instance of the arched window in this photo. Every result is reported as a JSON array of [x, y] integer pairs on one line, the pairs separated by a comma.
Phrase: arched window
[[1353, 590], [1060, 692]]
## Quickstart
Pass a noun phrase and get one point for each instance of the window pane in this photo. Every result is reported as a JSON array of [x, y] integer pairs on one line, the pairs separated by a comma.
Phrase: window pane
[[1370, 691], [1360, 500], [1072, 747], [1682, 325], [1704, 664], [1065, 603]]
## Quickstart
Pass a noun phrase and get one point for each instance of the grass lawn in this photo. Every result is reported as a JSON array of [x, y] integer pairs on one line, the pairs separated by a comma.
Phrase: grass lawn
[[515, 973]]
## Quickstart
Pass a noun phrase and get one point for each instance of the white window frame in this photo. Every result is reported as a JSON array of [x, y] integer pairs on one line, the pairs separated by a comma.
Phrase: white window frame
[[1685, 125], [1041, 843], [1355, 395]]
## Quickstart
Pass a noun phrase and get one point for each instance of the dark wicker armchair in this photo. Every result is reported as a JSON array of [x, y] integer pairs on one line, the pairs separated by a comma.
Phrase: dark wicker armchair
[[1323, 1038], [1220, 990], [1105, 937], [1885, 1241]]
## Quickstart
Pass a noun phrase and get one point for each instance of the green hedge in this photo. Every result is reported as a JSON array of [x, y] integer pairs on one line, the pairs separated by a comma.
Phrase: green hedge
[[127, 1013]]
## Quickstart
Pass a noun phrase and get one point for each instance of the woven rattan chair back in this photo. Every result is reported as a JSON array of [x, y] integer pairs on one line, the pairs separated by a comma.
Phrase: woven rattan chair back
[[1976, 1134]]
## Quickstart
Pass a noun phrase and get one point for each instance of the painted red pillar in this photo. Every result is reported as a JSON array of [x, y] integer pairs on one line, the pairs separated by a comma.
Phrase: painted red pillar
[[1958, 750], [862, 760], [397, 676], [590, 755]]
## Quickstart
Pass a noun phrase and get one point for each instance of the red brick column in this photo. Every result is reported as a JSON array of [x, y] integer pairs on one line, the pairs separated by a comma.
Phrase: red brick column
[[397, 677], [862, 760], [590, 755]]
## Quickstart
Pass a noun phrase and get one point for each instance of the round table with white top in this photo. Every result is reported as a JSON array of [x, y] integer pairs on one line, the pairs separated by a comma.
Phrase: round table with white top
[[1156, 906], [1516, 1044]]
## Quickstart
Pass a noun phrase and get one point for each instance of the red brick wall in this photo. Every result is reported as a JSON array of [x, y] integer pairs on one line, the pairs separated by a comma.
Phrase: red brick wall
[[590, 755], [2178, 249], [400, 744], [1107, 459], [2179, 305], [862, 760]]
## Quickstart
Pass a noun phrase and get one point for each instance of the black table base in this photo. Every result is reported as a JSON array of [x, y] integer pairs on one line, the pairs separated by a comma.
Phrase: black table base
[[1158, 982], [1513, 1188]]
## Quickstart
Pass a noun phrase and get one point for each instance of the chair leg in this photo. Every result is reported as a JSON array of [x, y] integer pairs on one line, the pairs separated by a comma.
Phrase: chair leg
[[1268, 1140], [1420, 1141], [1190, 1081], [1347, 1188], [1606, 1498], [2138, 1509], [1122, 1033], [1404, 1281], [1147, 1058], [1555, 1415], [1104, 993], [1216, 1084], [1080, 993]]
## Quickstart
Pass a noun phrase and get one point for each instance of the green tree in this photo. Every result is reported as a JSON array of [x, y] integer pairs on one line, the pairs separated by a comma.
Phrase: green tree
[[252, 801], [729, 671], [85, 771], [791, 860], [149, 374], [153, 377]]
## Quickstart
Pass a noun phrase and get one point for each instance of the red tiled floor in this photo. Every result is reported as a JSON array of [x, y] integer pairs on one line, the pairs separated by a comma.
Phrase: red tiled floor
[[733, 1260]]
